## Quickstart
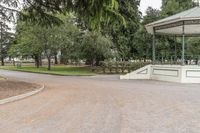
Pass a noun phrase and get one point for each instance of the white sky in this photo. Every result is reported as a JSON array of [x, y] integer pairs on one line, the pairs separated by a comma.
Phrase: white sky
[[144, 4]]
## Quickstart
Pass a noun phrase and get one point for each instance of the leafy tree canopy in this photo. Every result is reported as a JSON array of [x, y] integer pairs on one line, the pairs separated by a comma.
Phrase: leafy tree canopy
[[92, 12], [171, 7]]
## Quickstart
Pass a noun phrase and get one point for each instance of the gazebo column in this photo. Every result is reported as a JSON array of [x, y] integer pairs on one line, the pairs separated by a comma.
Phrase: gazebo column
[[175, 52], [183, 44], [153, 48]]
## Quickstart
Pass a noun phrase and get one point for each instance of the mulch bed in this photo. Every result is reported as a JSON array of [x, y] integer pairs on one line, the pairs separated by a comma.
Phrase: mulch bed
[[10, 88]]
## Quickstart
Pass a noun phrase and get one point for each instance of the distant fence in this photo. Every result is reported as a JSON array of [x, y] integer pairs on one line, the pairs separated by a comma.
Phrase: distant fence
[[189, 60]]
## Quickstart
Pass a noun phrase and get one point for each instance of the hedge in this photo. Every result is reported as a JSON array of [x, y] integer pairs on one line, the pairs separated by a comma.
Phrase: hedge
[[121, 66]]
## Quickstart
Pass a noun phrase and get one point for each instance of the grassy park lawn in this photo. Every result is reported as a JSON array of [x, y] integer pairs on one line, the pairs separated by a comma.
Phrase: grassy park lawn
[[56, 70]]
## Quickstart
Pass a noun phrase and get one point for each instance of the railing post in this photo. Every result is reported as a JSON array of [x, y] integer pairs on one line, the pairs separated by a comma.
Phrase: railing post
[[183, 44], [175, 57], [162, 60], [171, 60], [153, 48]]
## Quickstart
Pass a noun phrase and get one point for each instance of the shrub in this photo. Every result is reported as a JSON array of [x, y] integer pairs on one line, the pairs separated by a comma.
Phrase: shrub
[[121, 66]]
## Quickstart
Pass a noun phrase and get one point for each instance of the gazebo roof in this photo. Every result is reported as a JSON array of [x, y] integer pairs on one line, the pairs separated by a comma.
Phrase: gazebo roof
[[174, 24]]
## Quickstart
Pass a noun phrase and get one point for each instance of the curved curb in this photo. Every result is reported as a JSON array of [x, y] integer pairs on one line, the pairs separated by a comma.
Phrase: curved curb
[[22, 96], [53, 74]]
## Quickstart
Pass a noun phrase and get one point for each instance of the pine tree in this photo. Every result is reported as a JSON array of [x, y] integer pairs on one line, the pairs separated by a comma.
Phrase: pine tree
[[171, 7]]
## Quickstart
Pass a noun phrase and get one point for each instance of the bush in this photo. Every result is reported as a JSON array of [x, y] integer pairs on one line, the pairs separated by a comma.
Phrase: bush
[[120, 66]]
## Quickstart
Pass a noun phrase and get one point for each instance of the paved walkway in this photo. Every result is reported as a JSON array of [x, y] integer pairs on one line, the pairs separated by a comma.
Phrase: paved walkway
[[102, 104]]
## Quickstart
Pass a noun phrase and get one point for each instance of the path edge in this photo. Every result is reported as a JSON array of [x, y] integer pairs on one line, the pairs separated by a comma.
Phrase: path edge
[[22, 96]]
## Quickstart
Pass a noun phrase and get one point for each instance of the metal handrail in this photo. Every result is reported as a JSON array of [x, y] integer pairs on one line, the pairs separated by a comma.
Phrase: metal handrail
[[172, 60]]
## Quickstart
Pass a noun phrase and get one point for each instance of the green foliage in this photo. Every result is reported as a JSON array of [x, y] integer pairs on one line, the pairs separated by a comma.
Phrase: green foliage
[[96, 47], [108, 66], [77, 38], [122, 36], [6, 38], [27, 41], [93, 12], [151, 16], [74, 44], [171, 7], [143, 40], [35, 40], [193, 46]]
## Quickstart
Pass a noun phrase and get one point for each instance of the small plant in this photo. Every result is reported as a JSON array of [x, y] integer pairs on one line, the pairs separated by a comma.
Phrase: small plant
[[103, 66], [110, 66], [121, 66], [116, 67]]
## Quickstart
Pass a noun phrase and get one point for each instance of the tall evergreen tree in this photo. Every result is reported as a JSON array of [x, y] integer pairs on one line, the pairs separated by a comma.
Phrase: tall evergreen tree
[[171, 7], [123, 36], [143, 39]]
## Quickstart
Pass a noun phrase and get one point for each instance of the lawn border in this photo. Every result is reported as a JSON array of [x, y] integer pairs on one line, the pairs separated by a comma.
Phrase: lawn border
[[21, 96], [49, 73]]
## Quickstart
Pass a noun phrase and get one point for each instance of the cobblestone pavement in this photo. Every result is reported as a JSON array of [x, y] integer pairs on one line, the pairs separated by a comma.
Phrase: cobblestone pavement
[[102, 104]]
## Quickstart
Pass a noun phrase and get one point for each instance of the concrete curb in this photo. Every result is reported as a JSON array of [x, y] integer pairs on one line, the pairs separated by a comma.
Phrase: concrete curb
[[22, 96], [53, 74]]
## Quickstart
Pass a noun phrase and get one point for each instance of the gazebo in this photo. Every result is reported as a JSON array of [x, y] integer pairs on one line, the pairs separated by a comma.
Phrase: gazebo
[[184, 24]]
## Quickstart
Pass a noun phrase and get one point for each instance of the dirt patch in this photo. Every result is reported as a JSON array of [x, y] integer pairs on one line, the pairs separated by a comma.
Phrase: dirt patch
[[10, 88]]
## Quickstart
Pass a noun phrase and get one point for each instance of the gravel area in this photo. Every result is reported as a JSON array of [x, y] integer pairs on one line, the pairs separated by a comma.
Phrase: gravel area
[[102, 104], [10, 88]]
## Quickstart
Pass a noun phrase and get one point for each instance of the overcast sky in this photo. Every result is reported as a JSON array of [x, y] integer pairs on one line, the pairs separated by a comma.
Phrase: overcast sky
[[146, 3]]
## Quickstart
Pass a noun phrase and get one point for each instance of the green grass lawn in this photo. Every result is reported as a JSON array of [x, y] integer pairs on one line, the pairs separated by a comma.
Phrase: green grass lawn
[[56, 70], [1, 78]]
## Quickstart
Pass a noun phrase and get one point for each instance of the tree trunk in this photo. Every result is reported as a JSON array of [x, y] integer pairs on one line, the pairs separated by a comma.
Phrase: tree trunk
[[40, 60], [1, 45], [93, 61], [2, 61], [56, 59], [61, 57], [37, 61], [145, 58], [13, 62], [49, 63], [10, 59]]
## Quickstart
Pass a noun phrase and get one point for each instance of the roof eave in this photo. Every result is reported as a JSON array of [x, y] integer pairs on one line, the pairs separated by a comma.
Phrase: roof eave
[[150, 26]]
